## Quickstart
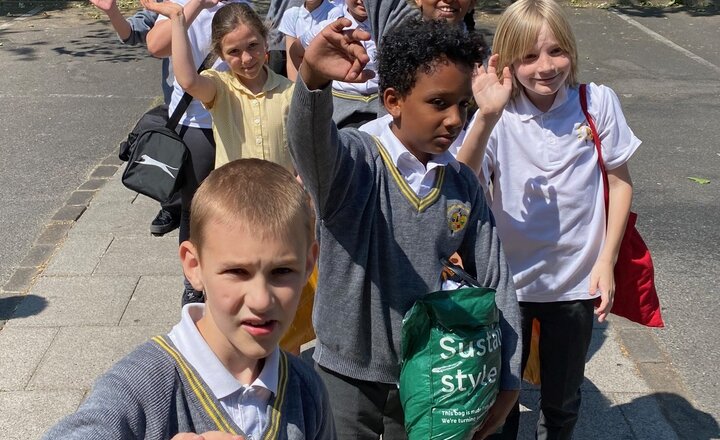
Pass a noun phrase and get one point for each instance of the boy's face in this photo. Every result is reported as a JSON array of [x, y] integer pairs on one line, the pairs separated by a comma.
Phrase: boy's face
[[252, 284], [431, 116]]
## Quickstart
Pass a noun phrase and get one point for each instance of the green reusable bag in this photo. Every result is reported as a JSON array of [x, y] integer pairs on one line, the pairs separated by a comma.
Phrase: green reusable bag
[[450, 371]]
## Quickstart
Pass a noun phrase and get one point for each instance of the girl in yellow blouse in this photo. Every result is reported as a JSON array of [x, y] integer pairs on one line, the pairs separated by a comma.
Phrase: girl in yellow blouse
[[249, 103]]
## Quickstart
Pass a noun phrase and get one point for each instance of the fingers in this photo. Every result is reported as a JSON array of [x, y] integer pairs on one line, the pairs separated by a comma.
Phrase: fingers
[[492, 64]]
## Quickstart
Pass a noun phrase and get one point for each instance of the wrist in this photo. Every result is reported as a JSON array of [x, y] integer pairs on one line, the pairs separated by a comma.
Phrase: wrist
[[312, 80]]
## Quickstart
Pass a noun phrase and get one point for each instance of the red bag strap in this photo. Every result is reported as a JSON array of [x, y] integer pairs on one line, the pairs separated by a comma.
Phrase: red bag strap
[[596, 140]]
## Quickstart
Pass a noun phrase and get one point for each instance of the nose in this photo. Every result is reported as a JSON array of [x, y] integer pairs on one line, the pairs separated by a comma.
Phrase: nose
[[246, 57], [546, 63], [455, 118], [259, 297]]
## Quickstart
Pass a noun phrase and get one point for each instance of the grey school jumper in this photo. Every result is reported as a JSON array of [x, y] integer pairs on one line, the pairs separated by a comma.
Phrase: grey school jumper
[[153, 393], [380, 244]]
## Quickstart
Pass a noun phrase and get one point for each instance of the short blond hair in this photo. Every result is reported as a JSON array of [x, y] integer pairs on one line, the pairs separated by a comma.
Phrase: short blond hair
[[519, 28], [253, 193]]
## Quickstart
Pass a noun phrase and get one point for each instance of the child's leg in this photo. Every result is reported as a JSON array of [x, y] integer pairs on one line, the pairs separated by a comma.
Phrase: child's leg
[[512, 423], [363, 410], [565, 333]]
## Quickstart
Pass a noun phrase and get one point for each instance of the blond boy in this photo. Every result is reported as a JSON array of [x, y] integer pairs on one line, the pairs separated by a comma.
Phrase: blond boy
[[220, 368]]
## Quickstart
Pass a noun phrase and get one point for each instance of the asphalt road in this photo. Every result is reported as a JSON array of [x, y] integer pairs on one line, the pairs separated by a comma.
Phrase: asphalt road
[[666, 72], [71, 92]]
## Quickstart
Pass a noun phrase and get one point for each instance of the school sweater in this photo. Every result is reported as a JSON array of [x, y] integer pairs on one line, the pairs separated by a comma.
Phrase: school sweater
[[154, 393], [380, 244]]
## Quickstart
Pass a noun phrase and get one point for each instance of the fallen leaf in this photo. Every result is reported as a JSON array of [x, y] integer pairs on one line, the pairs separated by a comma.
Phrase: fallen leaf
[[699, 180]]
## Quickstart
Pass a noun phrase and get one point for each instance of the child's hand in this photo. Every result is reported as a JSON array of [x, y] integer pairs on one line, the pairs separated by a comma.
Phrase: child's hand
[[602, 278], [504, 403], [166, 8], [103, 5], [491, 94], [336, 54]]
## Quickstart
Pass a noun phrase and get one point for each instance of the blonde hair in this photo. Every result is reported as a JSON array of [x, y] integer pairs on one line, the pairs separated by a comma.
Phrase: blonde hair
[[519, 28], [253, 193]]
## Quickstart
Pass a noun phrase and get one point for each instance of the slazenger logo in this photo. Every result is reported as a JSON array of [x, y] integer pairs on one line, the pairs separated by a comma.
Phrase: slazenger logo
[[147, 160]]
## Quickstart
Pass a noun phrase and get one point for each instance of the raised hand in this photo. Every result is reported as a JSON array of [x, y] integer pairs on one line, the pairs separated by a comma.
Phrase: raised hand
[[490, 92], [104, 5], [336, 54], [166, 8]]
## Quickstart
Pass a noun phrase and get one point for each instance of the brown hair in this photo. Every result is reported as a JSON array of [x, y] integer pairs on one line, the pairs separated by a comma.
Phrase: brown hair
[[254, 193], [519, 28], [228, 18]]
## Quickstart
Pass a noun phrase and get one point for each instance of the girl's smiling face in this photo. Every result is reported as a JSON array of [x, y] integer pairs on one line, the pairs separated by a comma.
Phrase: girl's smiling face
[[451, 10], [244, 51], [543, 69]]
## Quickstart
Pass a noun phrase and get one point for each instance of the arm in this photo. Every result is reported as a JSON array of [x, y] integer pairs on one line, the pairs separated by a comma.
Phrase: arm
[[184, 69], [160, 36], [118, 22], [294, 57], [140, 24], [602, 275], [491, 95]]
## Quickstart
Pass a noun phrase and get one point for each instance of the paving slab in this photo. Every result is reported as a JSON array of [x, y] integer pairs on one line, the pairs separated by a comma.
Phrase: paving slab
[[79, 255], [26, 415], [74, 301], [141, 255], [610, 369], [156, 301], [78, 355], [19, 367]]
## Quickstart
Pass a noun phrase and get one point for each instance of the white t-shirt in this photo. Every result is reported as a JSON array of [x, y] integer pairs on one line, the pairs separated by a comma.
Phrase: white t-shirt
[[547, 195], [298, 20], [199, 36]]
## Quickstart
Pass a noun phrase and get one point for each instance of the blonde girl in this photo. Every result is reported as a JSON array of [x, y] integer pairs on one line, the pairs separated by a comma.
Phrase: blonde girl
[[540, 169]]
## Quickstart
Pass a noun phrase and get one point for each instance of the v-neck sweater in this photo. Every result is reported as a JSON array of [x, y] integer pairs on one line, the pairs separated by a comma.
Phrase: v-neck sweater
[[154, 393], [381, 244]]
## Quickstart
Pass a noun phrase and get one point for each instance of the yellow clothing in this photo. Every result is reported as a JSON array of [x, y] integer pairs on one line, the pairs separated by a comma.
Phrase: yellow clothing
[[248, 125]]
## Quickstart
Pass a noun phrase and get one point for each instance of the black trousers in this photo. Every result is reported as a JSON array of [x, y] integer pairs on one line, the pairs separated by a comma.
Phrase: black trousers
[[201, 146], [363, 410], [565, 333]]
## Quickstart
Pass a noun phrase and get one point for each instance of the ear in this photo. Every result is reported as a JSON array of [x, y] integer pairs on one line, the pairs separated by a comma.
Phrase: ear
[[313, 253], [418, 3], [190, 260], [392, 102]]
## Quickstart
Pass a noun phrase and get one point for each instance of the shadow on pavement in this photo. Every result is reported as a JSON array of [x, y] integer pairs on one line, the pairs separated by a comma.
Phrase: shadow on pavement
[[9, 304], [689, 423]]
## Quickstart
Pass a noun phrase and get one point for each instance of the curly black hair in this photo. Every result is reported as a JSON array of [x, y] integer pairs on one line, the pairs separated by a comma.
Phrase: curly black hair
[[417, 45]]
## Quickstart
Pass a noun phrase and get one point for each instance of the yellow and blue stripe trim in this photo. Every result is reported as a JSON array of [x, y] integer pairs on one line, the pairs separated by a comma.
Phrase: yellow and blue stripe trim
[[354, 97], [419, 203], [207, 402]]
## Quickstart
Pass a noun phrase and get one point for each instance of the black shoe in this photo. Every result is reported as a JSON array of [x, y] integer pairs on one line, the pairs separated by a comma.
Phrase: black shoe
[[191, 295], [164, 222]]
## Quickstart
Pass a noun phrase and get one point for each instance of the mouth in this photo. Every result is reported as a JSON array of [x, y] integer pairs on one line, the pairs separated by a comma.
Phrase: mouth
[[445, 140], [446, 11], [257, 327]]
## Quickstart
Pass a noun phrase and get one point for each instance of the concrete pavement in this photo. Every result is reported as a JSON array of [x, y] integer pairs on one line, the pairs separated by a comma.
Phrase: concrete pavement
[[109, 285]]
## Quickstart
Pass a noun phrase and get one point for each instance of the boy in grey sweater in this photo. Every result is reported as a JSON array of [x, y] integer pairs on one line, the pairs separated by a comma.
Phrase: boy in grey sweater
[[219, 371], [389, 208]]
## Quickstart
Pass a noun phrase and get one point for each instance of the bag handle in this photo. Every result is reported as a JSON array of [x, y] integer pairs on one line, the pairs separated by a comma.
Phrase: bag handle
[[186, 97], [596, 140]]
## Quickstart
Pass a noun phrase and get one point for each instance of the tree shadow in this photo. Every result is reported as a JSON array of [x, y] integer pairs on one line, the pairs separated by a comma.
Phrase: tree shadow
[[32, 305], [101, 44]]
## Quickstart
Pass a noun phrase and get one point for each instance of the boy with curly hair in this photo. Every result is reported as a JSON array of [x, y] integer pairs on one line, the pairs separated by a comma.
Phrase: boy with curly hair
[[387, 208]]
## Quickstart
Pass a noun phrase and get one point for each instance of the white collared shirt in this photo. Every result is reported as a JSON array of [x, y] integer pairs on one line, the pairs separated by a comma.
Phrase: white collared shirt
[[420, 177], [247, 404], [298, 20]]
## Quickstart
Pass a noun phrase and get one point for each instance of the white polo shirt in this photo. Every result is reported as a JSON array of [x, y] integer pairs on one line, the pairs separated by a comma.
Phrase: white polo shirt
[[247, 404], [298, 20], [418, 176], [547, 189]]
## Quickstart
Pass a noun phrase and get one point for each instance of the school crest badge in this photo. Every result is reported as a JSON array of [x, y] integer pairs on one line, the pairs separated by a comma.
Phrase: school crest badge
[[457, 216], [584, 133]]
